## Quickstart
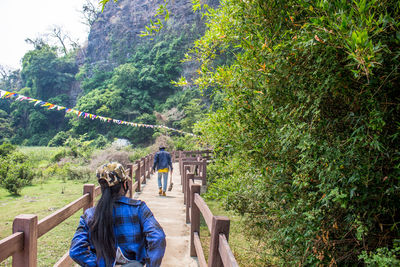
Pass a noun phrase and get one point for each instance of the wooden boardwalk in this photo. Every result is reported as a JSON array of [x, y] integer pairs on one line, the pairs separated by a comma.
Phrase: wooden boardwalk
[[170, 213]]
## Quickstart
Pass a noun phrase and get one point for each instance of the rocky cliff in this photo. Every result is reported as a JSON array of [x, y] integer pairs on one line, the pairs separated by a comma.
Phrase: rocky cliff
[[115, 34]]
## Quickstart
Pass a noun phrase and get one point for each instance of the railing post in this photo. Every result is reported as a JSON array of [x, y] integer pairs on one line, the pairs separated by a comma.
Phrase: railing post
[[180, 164], [183, 179], [89, 188], [195, 218], [151, 163], [187, 195], [204, 172], [148, 167], [130, 166], [220, 225], [137, 175], [26, 223], [143, 170]]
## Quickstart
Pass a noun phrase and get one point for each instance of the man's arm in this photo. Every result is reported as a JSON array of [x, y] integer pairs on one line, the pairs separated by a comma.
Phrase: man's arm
[[155, 161]]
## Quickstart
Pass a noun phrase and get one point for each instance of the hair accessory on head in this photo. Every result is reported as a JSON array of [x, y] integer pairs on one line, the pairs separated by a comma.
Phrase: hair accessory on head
[[113, 173]]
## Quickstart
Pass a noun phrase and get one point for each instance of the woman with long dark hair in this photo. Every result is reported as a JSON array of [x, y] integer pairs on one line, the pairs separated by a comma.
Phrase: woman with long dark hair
[[119, 230]]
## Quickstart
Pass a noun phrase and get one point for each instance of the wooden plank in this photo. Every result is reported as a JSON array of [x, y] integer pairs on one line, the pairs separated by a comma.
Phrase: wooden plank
[[11, 244], [135, 186], [226, 253], [192, 163], [199, 250], [65, 261], [204, 209], [97, 191], [59, 216], [220, 224], [194, 218], [28, 224]]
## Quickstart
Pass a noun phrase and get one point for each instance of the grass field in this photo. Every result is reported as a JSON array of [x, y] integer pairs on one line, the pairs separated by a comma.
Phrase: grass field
[[43, 199]]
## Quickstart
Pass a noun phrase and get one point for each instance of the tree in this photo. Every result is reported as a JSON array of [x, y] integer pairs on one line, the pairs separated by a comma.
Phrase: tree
[[90, 12], [61, 36], [307, 134]]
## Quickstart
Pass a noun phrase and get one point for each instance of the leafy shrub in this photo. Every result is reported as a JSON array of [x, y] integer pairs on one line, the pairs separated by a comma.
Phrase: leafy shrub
[[308, 130], [59, 155], [15, 172], [76, 172], [80, 147], [18, 176], [137, 154], [382, 257], [6, 149], [59, 139], [100, 142]]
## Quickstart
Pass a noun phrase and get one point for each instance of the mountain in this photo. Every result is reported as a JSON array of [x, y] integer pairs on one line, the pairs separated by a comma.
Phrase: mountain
[[115, 34]]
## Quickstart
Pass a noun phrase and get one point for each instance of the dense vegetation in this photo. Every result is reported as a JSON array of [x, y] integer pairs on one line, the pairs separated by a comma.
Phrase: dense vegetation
[[138, 90], [303, 101], [307, 138]]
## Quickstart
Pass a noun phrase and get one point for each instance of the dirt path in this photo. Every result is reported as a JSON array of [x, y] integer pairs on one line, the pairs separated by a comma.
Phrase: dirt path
[[170, 213]]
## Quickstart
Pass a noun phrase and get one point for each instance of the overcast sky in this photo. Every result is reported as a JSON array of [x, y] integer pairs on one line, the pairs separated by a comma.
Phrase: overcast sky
[[21, 19]]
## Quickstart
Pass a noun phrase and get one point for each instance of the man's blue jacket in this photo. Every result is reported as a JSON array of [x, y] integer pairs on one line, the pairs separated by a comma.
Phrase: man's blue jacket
[[162, 160]]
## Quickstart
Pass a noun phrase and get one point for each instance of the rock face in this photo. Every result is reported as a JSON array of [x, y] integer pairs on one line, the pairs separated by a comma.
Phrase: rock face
[[114, 35]]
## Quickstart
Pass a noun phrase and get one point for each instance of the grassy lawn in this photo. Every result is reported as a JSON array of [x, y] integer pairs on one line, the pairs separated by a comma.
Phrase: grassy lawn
[[245, 248], [43, 199]]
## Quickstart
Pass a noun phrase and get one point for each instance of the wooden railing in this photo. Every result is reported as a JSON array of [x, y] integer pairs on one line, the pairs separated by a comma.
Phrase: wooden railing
[[220, 253], [205, 154], [22, 244]]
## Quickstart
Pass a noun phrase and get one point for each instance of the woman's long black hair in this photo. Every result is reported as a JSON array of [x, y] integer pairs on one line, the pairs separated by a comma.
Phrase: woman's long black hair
[[101, 226]]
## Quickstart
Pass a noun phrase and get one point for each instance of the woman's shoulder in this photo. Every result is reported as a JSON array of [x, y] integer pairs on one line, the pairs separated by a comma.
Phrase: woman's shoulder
[[88, 214]]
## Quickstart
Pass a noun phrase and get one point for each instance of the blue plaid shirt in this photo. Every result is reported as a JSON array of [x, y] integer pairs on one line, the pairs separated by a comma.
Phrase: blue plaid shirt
[[137, 233]]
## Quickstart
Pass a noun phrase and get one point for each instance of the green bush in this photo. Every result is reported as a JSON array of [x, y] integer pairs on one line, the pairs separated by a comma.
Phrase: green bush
[[76, 172], [18, 176], [15, 172], [382, 257], [59, 139], [308, 132], [60, 154]]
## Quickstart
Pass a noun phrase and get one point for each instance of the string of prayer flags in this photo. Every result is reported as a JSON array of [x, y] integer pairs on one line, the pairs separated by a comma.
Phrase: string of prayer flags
[[15, 96]]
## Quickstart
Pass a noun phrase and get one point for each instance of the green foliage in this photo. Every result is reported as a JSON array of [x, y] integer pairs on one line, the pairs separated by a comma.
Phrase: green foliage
[[59, 139], [49, 78], [382, 257], [80, 147], [186, 142], [15, 170], [47, 74], [306, 127], [76, 172], [6, 129], [6, 149]]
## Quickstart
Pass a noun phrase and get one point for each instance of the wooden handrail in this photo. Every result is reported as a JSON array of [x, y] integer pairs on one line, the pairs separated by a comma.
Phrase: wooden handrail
[[199, 250], [204, 209], [64, 261], [220, 253], [59, 216], [226, 253], [22, 244], [11, 244]]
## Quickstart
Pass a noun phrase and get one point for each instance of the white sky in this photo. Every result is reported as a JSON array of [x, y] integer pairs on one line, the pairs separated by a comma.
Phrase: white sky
[[21, 19]]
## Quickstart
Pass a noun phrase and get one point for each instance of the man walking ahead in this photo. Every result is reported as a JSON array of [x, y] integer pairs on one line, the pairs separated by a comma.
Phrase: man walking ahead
[[162, 161]]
